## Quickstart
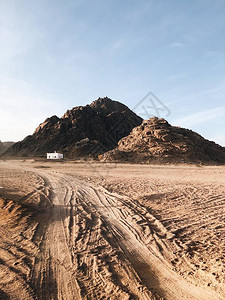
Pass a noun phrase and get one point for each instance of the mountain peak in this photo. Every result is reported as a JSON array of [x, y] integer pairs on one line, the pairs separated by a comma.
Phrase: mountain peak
[[83, 130], [107, 105]]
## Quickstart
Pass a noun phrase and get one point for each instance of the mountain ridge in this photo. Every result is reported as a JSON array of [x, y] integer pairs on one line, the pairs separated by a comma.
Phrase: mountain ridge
[[108, 130]]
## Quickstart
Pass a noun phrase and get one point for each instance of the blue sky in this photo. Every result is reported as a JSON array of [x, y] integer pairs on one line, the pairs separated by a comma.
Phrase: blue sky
[[57, 54]]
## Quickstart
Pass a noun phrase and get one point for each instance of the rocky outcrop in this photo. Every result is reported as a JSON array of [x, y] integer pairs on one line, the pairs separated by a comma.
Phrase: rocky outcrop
[[155, 140], [82, 131]]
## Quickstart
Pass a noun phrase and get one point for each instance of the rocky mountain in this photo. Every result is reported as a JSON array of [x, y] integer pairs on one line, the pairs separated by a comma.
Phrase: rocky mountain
[[155, 140], [109, 130], [4, 146], [82, 131]]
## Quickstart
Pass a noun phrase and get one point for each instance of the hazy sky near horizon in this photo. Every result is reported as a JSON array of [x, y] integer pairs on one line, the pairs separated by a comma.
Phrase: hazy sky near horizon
[[57, 54]]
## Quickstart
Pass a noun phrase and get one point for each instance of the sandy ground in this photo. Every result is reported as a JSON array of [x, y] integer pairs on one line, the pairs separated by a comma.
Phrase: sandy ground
[[73, 230]]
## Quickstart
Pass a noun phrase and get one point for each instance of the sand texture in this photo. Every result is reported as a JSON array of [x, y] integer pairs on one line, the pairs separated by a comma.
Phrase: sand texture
[[75, 230]]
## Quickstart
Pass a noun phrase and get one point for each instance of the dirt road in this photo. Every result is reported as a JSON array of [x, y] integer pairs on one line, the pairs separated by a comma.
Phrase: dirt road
[[96, 244]]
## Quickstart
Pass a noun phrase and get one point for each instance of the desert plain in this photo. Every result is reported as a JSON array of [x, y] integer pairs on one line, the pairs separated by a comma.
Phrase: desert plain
[[91, 230]]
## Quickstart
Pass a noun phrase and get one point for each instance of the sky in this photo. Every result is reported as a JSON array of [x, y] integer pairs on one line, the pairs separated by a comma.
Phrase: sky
[[159, 57]]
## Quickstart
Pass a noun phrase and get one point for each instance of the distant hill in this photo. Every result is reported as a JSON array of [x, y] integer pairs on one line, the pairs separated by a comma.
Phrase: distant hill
[[82, 131], [155, 140], [4, 146]]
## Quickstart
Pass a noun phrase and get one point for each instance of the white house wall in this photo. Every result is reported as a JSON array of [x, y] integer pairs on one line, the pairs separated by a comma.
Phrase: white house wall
[[54, 156]]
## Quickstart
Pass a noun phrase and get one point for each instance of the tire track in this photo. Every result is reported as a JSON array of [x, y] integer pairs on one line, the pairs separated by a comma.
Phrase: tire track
[[126, 223], [94, 244]]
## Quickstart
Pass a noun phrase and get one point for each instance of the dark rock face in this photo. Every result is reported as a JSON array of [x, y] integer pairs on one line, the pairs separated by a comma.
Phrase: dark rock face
[[155, 140], [83, 131], [4, 146]]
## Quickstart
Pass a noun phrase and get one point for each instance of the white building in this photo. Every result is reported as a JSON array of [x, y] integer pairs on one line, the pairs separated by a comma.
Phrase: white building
[[54, 155]]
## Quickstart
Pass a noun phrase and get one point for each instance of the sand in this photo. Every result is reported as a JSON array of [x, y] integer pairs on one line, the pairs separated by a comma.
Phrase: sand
[[75, 230]]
